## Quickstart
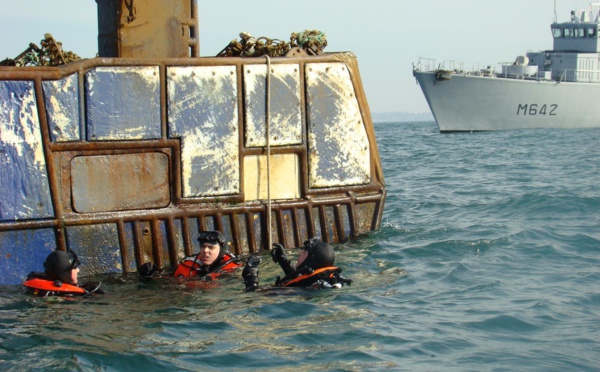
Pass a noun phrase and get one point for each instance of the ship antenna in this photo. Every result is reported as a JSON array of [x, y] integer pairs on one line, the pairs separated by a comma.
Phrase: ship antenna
[[555, 19], [595, 12]]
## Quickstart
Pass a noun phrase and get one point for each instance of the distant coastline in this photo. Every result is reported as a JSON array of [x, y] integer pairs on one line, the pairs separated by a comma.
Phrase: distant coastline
[[396, 116]]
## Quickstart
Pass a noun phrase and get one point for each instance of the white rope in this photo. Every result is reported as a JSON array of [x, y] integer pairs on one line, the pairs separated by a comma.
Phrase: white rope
[[268, 134]]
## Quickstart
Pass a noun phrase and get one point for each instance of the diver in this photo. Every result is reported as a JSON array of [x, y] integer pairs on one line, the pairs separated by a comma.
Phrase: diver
[[59, 278], [212, 261], [314, 268]]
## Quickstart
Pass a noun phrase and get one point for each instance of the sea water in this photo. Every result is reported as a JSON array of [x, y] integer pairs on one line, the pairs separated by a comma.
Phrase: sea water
[[488, 259]]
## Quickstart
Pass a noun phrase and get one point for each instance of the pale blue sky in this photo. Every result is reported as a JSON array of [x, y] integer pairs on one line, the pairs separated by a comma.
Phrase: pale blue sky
[[387, 36]]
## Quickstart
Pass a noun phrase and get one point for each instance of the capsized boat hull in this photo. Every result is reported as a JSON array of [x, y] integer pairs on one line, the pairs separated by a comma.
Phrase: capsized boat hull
[[125, 160]]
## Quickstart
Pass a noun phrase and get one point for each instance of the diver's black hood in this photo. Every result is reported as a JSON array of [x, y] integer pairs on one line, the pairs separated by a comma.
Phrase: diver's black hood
[[213, 237], [58, 265], [320, 254]]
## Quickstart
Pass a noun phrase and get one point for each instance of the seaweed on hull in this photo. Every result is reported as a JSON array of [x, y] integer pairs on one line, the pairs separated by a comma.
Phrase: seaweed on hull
[[50, 53]]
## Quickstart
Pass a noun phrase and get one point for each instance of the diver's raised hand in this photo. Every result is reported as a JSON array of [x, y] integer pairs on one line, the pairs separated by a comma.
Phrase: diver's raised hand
[[250, 273], [279, 255]]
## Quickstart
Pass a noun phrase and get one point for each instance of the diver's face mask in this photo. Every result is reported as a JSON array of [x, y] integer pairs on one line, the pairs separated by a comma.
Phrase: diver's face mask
[[316, 254], [70, 274], [212, 237], [307, 250], [73, 260], [310, 244]]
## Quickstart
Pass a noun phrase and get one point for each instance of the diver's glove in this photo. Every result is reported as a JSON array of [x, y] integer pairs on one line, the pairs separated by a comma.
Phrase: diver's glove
[[343, 280], [250, 273], [146, 270], [279, 255]]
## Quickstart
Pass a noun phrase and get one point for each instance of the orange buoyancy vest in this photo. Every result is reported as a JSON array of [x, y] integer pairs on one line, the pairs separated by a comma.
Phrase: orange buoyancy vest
[[191, 266], [42, 286], [328, 274]]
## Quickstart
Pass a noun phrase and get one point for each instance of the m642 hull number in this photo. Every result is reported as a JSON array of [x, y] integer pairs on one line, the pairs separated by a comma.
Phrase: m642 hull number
[[531, 109]]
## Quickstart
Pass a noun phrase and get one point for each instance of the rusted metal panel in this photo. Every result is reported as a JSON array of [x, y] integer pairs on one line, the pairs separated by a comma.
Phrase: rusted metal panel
[[159, 241], [328, 221], [366, 216], [226, 224], [123, 103], [303, 222], [288, 226], [120, 182], [176, 239], [243, 231], [203, 113], [256, 225], [346, 229], [128, 246], [316, 217], [337, 139], [23, 251], [62, 108], [23, 176], [210, 222], [159, 229], [97, 247], [144, 242], [275, 232], [285, 105]]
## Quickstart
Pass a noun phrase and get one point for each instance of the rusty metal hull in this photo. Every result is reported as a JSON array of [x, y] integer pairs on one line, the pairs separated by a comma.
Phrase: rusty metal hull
[[124, 160]]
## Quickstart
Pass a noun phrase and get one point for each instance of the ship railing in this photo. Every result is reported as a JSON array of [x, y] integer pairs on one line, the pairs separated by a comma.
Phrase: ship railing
[[565, 75], [479, 69], [579, 76], [456, 67]]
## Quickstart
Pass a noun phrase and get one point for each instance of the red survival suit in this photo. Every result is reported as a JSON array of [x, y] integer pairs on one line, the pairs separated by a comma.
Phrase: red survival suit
[[192, 266]]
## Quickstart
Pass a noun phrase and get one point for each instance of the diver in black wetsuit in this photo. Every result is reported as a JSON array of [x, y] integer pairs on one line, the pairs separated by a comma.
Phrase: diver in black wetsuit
[[59, 278], [314, 268]]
